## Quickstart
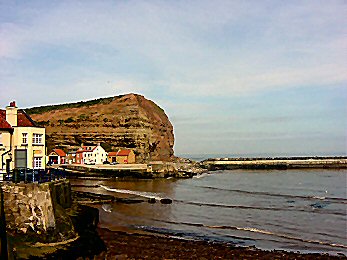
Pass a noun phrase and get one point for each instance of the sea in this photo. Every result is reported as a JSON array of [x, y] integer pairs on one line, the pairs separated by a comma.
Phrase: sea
[[294, 210]]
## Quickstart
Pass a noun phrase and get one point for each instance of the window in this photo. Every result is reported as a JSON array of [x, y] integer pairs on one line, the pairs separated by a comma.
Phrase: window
[[37, 138], [24, 138], [37, 162]]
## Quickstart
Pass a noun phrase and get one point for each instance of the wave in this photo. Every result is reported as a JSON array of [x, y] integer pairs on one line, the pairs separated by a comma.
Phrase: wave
[[200, 175], [308, 209], [188, 235], [256, 230], [266, 232], [144, 194], [107, 207], [158, 196], [335, 199]]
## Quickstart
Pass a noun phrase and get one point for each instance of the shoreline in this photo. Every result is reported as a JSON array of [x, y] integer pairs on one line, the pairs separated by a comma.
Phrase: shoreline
[[134, 244], [126, 245], [185, 168], [129, 243], [98, 242], [159, 169]]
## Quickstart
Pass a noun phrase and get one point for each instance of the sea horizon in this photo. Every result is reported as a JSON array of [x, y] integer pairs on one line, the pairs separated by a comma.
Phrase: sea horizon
[[201, 157]]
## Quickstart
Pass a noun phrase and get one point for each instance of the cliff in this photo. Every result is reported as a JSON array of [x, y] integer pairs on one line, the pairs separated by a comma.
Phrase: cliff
[[126, 121]]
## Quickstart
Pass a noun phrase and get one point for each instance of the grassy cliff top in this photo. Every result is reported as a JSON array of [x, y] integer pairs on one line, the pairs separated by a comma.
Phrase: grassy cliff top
[[43, 109]]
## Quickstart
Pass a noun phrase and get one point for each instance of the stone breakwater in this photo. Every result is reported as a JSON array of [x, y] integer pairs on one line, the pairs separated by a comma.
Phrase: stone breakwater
[[275, 163]]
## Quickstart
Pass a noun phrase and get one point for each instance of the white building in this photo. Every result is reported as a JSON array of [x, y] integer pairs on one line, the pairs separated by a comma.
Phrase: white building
[[91, 155]]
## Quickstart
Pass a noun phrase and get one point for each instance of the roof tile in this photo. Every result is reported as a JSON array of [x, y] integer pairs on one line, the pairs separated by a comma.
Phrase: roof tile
[[59, 152], [123, 152]]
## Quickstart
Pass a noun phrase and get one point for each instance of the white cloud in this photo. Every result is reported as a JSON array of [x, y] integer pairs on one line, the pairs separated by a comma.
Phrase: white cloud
[[201, 48]]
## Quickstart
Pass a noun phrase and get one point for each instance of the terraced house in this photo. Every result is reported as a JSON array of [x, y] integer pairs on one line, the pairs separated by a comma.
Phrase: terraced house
[[91, 155], [22, 141]]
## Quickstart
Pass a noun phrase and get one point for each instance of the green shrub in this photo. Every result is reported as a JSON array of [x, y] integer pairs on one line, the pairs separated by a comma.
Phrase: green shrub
[[69, 120]]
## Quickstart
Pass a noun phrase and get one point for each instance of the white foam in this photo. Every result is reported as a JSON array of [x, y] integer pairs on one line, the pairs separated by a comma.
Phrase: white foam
[[200, 175], [144, 194], [291, 237], [106, 207], [317, 197]]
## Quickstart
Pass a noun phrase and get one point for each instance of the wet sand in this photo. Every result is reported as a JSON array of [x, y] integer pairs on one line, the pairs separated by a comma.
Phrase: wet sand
[[122, 245]]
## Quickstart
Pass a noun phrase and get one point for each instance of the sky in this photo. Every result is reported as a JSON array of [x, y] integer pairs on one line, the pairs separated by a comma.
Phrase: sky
[[235, 77]]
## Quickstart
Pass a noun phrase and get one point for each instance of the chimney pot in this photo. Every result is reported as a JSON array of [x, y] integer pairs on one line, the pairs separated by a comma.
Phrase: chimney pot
[[13, 104]]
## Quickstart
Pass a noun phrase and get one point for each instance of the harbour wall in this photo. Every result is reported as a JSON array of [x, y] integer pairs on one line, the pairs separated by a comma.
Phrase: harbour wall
[[274, 163], [156, 169], [33, 207]]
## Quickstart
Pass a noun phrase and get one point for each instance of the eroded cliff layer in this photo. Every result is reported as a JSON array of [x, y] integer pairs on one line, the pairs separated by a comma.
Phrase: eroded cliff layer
[[127, 121]]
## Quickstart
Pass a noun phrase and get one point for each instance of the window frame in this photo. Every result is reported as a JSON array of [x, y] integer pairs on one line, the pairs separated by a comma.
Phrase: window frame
[[37, 139], [37, 163], [25, 137]]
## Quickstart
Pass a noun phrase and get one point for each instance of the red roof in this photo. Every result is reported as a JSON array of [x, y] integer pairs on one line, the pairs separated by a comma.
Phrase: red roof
[[82, 151], [112, 153], [5, 125], [86, 148], [123, 152], [59, 152], [23, 119]]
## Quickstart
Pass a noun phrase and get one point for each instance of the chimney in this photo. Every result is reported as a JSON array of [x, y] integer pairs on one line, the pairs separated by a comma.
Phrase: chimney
[[12, 114]]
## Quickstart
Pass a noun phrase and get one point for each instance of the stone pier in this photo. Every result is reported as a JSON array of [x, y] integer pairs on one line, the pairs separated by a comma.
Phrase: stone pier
[[36, 209]]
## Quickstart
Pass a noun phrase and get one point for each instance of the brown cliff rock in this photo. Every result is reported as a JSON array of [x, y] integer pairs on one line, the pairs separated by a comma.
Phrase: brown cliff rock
[[126, 121]]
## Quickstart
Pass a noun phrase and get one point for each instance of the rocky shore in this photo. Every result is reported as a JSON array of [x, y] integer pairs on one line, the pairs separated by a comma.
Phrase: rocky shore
[[182, 168]]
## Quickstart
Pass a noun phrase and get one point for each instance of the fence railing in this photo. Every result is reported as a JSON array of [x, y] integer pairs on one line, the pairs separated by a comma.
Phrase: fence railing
[[33, 175]]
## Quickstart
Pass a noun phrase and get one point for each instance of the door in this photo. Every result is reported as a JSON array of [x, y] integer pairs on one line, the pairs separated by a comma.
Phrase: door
[[8, 166], [20, 158]]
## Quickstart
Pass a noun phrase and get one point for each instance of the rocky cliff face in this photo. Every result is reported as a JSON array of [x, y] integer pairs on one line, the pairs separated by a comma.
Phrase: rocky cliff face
[[127, 121]]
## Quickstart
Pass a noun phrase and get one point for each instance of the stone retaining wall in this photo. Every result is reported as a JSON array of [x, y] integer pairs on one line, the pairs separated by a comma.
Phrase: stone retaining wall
[[31, 206]]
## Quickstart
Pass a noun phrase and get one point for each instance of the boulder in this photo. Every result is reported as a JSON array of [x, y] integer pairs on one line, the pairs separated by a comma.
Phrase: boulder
[[166, 201]]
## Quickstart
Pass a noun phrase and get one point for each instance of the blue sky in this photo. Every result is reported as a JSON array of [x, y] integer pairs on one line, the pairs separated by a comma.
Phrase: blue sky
[[234, 77]]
